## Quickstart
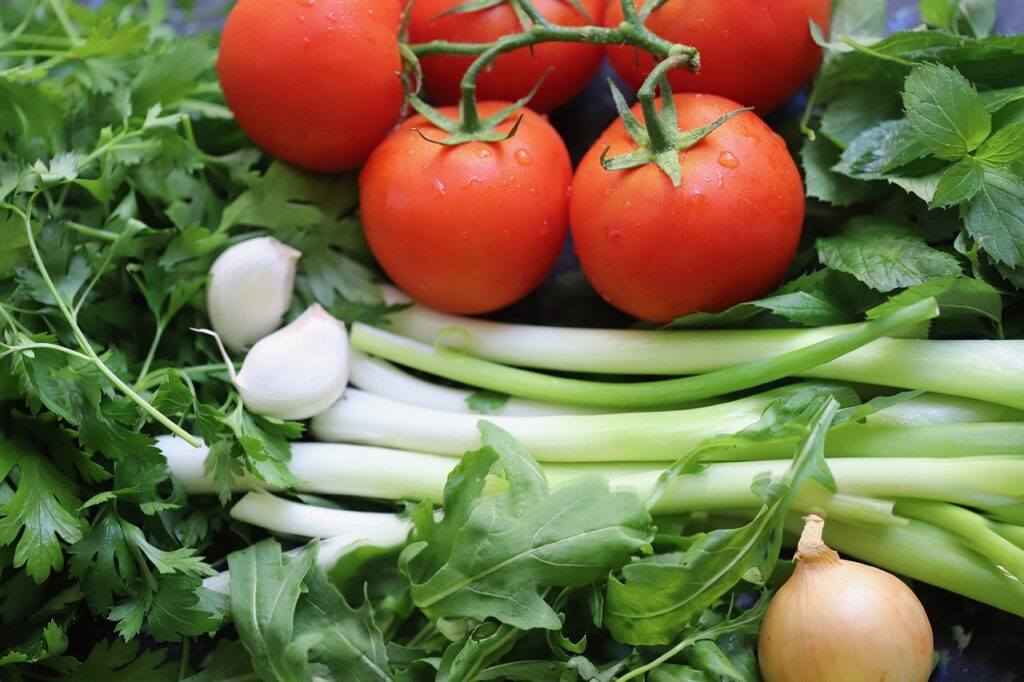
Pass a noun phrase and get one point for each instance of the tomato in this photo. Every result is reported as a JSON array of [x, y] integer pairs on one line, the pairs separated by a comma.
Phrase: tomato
[[757, 52], [512, 75], [468, 228], [727, 234], [313, 82]]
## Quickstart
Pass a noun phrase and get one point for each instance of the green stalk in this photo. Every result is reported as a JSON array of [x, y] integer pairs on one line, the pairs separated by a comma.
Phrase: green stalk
[[924, 552], [991, 371], [535, 386], [972, 529], [339, 469], [361, 417]]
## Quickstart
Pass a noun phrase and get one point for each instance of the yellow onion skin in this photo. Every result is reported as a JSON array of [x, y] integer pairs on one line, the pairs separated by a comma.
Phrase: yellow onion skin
[[842, 621]]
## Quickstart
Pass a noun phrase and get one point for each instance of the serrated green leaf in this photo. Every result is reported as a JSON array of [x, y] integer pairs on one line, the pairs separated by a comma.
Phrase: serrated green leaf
[[42, 511], [1004, 147], [818, 158], [995, 216], [945, 109], [881, 150], [884, 255], [119, 661], [959, 183]]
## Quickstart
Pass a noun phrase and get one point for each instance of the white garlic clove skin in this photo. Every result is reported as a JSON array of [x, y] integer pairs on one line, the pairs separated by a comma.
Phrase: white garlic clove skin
[[250, 290], [298, 371]]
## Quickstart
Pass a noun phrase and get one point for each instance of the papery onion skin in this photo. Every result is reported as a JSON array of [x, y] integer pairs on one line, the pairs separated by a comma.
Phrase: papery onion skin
[[842, 621]]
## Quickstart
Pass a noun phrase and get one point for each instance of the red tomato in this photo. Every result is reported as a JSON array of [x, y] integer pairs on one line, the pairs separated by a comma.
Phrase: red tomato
[[512, 75], [727, 234], [313, 82], [757, 52], [469, 228]]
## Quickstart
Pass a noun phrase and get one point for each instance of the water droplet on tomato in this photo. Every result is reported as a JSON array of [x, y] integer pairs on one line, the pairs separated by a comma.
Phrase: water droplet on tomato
[[305, 39], [613, 233], [484, 153], [523, 157], [305, 3], [728, 160], [439, 186], [608, 191], [302, 17], [332, 16], [507, 233], [473, 183], [627, 206]]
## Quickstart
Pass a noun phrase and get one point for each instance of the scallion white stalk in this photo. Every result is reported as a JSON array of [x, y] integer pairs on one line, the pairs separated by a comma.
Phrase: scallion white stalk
[[650, 436], [992, 371], [664, 393], [993, 484], [295, 518], [360, 417]]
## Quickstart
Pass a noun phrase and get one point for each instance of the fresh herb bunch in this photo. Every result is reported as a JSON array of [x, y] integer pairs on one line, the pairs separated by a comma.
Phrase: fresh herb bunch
[[122, 175]]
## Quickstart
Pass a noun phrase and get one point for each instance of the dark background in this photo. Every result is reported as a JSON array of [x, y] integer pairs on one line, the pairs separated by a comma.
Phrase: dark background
[[976, 643]]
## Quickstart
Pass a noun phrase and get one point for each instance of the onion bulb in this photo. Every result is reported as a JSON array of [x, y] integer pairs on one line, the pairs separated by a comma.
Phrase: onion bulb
[[842, 621]]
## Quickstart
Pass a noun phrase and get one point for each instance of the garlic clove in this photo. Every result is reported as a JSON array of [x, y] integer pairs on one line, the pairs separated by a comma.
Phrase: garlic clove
[[250, 290], [298, 371]]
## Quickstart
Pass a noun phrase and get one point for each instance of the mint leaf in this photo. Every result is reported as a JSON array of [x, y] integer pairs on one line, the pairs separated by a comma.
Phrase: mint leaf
[[493, 552], [883, 148], [857, 109], [658, 597], [1004, 147], [884, 255], [265, 589], [995, 216], [945, 109], [858, 18], [818, 158], [959, 183]]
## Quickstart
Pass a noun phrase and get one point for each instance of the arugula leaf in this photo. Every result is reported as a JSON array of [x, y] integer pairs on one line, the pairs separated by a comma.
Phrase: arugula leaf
[[349, 644], [485, 402], [658, 597], [945, 109], [229, 661], [995, 216], [265, 589], [884, 255], [493, 551], [485, 645]]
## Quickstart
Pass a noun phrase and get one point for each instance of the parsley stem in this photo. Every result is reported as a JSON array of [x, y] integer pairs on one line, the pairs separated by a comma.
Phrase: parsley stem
[[84, 343], [150, 355], [22, 347], [65, 21]]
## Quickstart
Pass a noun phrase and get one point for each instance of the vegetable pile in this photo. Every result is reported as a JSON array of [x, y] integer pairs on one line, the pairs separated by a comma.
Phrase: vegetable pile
[[231, 449]]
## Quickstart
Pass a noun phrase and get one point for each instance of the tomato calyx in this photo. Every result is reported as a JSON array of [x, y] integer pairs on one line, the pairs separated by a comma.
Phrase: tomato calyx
[[470, 126], [658, 138]]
